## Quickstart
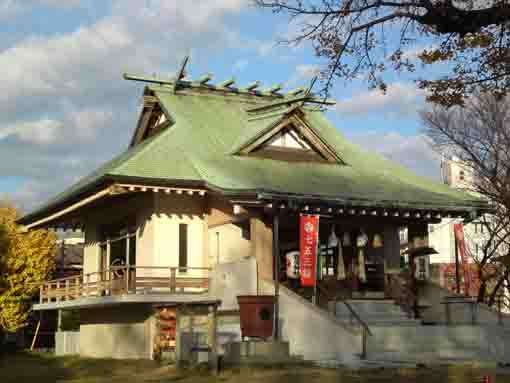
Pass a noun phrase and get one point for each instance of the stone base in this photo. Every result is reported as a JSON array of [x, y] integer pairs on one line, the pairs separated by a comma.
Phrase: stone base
[[258, 352]]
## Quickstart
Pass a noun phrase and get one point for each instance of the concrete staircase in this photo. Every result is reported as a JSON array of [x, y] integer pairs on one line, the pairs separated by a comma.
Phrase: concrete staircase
[[399, 340], [382, 312]]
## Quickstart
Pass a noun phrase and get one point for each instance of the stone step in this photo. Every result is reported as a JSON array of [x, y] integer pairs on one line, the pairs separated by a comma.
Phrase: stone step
[[372, 311]]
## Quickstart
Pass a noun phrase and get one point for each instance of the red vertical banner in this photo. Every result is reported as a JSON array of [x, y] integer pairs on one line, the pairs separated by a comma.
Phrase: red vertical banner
[[309, 237], [458, 229]]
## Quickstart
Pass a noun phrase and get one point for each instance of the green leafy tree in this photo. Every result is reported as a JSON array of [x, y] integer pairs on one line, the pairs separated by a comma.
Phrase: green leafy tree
[[26, 260]]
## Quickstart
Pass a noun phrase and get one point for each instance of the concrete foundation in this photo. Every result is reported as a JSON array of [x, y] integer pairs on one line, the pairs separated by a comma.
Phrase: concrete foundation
[[67, 343], [119, 332]]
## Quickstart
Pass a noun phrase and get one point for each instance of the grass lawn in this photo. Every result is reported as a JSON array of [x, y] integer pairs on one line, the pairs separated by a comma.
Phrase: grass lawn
[[21, 368]]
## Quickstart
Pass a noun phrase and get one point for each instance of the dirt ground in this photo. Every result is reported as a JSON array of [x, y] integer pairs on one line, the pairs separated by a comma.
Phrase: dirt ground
[[40, 368]]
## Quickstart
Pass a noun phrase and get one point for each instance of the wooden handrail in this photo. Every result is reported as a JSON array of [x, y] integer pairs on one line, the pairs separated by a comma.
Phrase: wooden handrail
[[116, 268], [108, 281]]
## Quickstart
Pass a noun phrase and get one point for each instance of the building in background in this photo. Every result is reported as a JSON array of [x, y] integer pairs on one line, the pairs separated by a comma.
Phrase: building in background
[[442, 235]]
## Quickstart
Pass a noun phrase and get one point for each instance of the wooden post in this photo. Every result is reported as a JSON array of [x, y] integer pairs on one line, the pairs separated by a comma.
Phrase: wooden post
[[178, 341], [67, 296], [35, 335], [57, 292], [173, 280], [276, 271], [41, 292], [86, 290], [59, 320], [127, 278], [212, 339]]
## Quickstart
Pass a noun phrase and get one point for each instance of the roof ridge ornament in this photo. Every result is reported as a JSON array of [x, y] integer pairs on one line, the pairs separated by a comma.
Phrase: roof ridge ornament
[[180, 73], [226, 83], [251, 86], [203, 80]]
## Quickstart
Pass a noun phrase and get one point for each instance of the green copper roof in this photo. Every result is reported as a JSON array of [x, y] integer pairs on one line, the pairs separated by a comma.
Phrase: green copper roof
[[200, 148]]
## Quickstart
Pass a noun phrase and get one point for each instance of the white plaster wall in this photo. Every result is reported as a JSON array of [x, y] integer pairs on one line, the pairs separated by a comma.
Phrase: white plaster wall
[[226, 244], [228, 280], [145, 241], [91, 251], [170, 212]]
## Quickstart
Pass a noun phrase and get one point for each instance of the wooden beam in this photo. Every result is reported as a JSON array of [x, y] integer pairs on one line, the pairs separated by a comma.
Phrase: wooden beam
[[152, 80], [73, 207], [289, 101]]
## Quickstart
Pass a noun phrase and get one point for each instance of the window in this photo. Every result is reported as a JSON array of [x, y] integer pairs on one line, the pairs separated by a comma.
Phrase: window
[[117, 244], [461, 175], [183, 246]]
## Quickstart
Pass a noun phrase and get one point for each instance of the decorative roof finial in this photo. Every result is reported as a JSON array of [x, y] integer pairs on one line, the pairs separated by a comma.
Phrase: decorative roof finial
[[181, 72], [226, 83], [250, 87]]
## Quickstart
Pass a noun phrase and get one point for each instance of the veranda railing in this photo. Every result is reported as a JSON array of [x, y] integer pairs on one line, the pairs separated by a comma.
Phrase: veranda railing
[[127, 280]]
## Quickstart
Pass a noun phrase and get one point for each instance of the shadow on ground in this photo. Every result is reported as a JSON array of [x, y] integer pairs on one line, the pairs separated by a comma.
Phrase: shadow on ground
[[38, 368]]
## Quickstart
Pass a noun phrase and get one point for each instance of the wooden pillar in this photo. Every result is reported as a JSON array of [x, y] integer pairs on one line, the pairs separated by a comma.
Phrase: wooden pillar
[[261, 244], [276, 271], [59, 320]]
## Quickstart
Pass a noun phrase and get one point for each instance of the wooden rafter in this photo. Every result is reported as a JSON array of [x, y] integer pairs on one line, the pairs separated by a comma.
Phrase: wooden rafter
[[105, 192]]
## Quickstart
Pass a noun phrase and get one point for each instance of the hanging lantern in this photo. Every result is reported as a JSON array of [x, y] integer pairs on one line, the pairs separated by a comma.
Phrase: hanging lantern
[[333, 239], [378, 241], [341, 275], [346, 239], [362, 239]]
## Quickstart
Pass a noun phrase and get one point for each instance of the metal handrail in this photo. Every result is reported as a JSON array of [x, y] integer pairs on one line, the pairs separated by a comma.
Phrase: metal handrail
[[355, 315], [365, 329]]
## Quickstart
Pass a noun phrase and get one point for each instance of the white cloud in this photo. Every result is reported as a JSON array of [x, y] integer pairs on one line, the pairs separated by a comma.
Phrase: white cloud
[[64, 108], [414, 151], [302, 73], [400, 100], [40, 131], [9, 9]]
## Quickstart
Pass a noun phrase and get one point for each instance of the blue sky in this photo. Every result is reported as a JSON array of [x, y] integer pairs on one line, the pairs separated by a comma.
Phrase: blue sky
[[64, 108]]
